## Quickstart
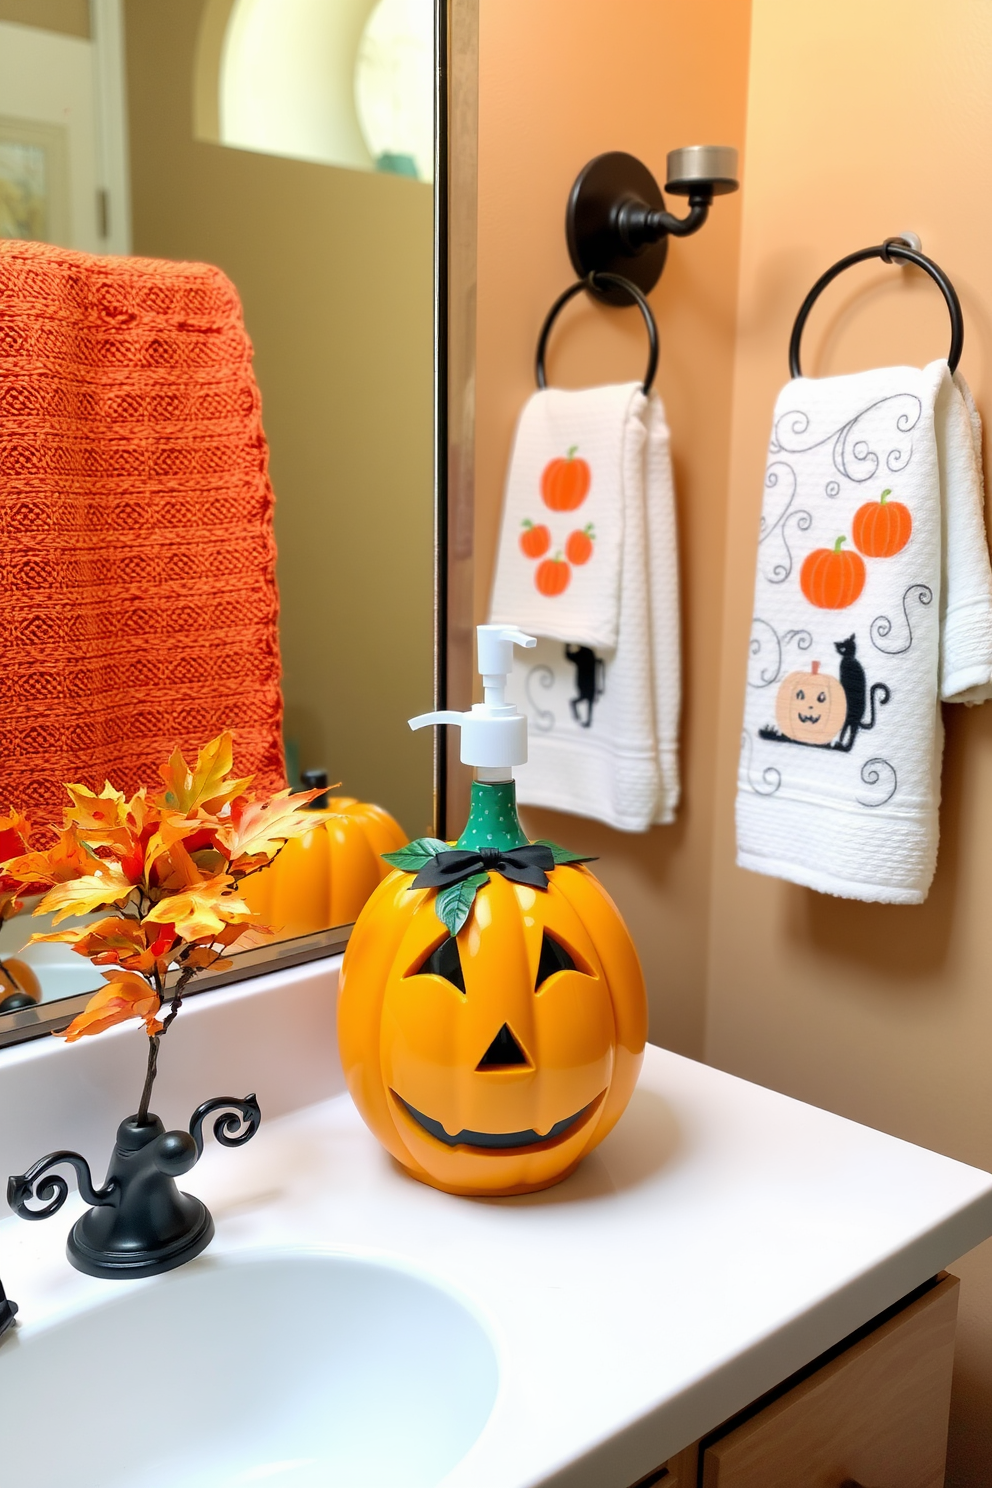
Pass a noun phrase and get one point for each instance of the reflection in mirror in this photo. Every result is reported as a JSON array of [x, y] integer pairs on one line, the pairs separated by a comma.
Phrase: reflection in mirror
[[291, 144]]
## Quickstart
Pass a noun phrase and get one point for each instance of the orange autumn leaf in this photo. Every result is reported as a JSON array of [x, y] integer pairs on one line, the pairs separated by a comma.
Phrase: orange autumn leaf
[[171, 833], [61, 863], [116, 939], [10, 900], [15, 834], [204, 911], [108, 822], [207, 785], [204, 958], [126, 996], [176, 871], [106, 884], [260, 828], [246, 937]]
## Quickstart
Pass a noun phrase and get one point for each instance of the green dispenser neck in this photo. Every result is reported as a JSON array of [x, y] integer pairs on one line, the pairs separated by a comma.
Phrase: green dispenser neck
[[492, 818]]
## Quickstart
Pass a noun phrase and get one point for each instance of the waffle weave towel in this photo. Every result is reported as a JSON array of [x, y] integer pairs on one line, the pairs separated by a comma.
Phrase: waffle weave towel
[[588, 562], [873, 603], [138, 604]]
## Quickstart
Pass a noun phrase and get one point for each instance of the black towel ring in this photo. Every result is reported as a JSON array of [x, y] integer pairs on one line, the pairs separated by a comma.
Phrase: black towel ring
[[597, 277], [892, 248]]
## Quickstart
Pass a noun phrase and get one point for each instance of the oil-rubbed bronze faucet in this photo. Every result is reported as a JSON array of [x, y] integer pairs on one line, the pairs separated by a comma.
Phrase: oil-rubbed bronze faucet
[[8, 1310]]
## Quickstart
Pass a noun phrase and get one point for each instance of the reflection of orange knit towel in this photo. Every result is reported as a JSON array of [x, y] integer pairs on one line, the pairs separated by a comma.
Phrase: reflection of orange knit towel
[[138, 604]]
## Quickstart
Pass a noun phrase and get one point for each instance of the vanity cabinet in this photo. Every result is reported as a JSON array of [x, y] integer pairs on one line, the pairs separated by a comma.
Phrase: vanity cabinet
[[871, 1413]]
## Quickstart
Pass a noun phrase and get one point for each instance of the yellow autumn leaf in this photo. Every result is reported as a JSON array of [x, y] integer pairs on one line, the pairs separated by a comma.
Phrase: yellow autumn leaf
[[99, 819], [203, 911], [107, 884], [207, 785], [260, 828]]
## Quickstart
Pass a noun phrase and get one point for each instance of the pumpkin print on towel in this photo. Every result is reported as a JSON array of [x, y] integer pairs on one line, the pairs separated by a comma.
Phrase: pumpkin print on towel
[[552, 577], [832, 579], [534, 540], [579, 545], [565, 482], [882, 528]]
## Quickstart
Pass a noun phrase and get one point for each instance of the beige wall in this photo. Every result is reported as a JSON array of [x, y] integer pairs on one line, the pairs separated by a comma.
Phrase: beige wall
[[69, 16], [864, 120], [861, 120], [335, 271], [560, 82]]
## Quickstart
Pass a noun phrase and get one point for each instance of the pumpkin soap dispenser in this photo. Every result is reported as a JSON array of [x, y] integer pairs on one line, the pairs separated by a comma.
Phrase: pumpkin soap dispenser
[[492, 1013]]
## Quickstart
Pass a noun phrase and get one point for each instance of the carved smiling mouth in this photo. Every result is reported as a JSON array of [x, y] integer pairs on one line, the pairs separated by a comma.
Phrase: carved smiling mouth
[[496, 1141], [810, 717]]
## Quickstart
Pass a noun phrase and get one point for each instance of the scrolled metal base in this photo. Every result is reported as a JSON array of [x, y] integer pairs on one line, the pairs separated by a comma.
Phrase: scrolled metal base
[[119, 1263], [140, 1224]]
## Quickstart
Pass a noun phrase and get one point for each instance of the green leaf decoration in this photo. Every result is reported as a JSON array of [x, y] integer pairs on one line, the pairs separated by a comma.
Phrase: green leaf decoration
[[453, 905], [564, 855], [416, 855]]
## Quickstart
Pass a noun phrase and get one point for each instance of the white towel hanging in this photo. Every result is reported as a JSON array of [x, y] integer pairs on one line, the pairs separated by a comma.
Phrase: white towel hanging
[[873, 602], [587, 562]]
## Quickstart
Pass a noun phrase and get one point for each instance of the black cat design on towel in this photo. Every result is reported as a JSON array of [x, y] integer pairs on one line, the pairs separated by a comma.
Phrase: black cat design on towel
[[825, 712], [589, 680]]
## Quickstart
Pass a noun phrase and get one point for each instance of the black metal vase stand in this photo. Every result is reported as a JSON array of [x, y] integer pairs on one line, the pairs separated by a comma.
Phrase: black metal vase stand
[[139, 1223], [8, 1311]]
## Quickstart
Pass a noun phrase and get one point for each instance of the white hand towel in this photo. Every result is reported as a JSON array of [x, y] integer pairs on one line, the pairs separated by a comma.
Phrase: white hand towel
[[587, 561], [873, 602]]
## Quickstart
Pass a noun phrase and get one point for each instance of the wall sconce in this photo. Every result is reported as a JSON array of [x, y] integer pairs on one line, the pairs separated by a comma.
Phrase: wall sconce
[[616, 220]]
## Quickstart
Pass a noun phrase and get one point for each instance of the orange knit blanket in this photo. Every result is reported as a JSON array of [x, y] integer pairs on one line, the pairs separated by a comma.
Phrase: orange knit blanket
[[138, 603]]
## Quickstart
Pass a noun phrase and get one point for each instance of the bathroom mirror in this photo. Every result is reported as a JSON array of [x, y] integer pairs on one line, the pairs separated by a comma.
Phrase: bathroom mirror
[[302, 146]]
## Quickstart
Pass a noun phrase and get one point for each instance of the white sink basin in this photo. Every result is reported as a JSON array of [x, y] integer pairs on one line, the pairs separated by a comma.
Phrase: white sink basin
[[297, 1370]]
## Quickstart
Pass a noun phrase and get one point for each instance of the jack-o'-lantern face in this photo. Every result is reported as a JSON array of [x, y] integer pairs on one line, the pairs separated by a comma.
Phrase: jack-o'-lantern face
[[490, 1063], [811, 706]]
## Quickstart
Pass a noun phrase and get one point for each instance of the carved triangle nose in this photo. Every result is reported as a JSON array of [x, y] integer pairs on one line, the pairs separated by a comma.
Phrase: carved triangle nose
[[503, 1053]]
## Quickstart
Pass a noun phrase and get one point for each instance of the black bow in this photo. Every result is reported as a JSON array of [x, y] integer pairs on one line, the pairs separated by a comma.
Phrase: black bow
[[530, 864]]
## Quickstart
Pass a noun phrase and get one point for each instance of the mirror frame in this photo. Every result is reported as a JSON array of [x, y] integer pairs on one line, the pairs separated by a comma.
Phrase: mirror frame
[[455, 202]]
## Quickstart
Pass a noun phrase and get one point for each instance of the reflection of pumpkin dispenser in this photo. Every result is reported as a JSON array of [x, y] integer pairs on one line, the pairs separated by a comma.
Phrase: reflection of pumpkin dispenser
[[323, 878], [492, 1012]]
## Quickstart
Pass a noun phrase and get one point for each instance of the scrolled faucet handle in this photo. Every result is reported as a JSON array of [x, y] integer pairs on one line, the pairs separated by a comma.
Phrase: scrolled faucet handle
[[235, 1113]]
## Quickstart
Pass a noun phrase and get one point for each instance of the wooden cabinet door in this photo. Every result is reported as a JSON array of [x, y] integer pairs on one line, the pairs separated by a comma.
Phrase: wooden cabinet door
[[874, 1417]]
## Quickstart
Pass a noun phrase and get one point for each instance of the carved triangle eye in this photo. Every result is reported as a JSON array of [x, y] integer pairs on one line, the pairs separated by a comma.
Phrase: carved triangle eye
[[554, 957], [444, 962]]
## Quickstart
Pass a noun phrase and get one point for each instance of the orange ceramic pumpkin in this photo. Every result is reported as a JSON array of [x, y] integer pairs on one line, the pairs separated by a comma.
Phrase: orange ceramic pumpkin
[[552, 577], [830, 579], [493, 1061], [534, 541], [882, 528], [578, 547], [811, 706], [324, 877], [565, 482]]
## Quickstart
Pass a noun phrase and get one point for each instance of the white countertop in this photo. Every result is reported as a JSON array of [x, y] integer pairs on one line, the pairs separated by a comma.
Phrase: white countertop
[[720, 1238]]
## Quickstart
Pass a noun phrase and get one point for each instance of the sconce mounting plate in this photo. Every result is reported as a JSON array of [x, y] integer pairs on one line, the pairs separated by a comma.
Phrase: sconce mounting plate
[[592, 225]]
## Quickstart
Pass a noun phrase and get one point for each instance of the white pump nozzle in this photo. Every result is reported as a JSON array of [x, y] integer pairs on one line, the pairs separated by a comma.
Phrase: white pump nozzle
[[494, 734]]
